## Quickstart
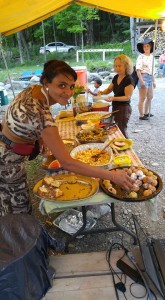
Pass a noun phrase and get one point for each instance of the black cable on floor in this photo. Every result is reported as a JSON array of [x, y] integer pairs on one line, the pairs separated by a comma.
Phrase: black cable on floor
[[119, 285]]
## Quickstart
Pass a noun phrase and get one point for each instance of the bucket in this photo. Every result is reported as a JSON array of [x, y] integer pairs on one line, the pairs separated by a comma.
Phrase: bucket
[[100, 106], [3, 98], [81, 75]]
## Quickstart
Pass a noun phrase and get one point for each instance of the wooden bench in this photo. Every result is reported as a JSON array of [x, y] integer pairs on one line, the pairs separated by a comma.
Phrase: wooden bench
[[86, 276]]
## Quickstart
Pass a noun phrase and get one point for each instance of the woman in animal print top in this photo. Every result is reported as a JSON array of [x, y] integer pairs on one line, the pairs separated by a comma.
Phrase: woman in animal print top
[[28, 119]]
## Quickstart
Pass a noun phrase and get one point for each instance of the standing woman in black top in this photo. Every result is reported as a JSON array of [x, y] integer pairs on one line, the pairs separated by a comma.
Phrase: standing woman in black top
[[122, 86]]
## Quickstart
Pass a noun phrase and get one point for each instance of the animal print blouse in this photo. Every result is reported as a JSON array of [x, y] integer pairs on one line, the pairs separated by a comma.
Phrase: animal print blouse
[[29, 114]]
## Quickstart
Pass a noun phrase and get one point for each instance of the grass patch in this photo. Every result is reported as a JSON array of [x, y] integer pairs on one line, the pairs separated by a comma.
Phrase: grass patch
[[93, 61]]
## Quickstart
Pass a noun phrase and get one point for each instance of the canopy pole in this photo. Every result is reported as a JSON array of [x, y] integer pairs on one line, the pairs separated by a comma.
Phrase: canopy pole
[[43, 35], [153, 67], [5, 62]]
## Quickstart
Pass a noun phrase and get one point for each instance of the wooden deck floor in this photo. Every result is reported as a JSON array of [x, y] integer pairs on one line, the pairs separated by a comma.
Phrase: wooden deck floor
[[86, 276]]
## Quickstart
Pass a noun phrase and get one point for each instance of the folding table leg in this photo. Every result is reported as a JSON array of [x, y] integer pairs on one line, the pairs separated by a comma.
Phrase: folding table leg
[[117, 227], [81, 230]]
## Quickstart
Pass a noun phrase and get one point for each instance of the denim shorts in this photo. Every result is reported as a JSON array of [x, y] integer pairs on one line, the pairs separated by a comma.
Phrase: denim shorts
[[147, 79]]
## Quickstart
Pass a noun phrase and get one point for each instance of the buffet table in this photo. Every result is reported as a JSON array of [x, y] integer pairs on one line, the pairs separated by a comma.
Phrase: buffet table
[[68, 130]]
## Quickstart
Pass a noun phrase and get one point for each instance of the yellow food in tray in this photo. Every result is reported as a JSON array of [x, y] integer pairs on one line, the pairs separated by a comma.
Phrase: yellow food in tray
[[66, 187], [90, 116], [122, 160], [65, 114], [66, 119], [70, 144], [84, 153], [86, 157]]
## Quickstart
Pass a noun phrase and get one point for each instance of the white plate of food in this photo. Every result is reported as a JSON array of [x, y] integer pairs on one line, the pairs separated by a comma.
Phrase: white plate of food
[[85, 152]]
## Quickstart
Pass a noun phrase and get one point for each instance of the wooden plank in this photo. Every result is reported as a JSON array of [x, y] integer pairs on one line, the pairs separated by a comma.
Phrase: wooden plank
[[87, 288], [97, 294], [86, 275], [84, 263]]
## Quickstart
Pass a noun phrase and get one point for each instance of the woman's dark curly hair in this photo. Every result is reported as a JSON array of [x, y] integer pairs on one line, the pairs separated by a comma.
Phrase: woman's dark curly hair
[[52, 68]]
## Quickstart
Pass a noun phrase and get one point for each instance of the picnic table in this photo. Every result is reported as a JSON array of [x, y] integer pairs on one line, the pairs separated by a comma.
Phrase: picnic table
[[68, 130]]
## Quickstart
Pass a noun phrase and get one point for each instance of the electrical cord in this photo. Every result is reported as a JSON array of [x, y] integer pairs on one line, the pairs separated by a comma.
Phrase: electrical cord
[[119, 285], [138, 297], [149, 292]]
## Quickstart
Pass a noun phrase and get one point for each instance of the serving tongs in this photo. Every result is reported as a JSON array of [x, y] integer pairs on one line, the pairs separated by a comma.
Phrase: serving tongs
[[108, 114], [96, 156]]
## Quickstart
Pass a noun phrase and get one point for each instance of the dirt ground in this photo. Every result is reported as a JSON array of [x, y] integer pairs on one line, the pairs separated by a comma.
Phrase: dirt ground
[[149, 144]]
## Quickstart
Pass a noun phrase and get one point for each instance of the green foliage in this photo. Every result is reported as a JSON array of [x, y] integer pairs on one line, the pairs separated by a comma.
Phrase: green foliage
[[75, 17], [77, 90], [97, 56], [48, 28], [98, 28], [93, 61], [93, 65]]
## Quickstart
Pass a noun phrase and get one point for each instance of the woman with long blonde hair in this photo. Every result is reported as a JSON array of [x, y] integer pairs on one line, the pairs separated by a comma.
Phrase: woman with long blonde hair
[[122, 86]]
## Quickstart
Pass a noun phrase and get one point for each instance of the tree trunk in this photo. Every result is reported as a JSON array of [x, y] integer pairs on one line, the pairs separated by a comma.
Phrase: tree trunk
[[90, 33], [82, 43], [110, 22], [54, 29], [20, 47], [25, 44], [133, 34], [43, 34]]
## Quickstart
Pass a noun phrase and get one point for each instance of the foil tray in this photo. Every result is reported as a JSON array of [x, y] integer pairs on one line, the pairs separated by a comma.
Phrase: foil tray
[[71, 220]]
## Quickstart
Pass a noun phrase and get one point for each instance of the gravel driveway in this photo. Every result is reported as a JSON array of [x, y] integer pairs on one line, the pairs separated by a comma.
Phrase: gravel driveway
[[149, 144]]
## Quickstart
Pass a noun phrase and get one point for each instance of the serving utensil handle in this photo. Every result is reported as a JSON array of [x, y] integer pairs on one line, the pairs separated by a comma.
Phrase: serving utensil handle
[[107, 144], [109, 114]]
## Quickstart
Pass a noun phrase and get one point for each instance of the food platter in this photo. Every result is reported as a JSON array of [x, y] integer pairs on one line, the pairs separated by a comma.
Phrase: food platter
[[126, 196], [47, 164], [90, 115], [47, 161], [97, 135], [121, 144], [49, 158], [66, 187], [84, 153]]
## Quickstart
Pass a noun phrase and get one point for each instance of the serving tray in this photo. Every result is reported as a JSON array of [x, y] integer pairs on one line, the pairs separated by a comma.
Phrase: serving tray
[[74, 187], [123, 195]]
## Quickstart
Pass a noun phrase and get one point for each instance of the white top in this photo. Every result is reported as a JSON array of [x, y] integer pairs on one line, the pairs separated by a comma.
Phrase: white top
[[96, 90], [144, 63]]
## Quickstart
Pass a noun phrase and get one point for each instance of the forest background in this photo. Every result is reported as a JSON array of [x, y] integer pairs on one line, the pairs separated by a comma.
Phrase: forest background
[[77, 25]]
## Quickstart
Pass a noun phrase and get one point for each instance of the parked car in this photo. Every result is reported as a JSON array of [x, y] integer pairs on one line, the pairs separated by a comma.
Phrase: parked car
[[59, 47]]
